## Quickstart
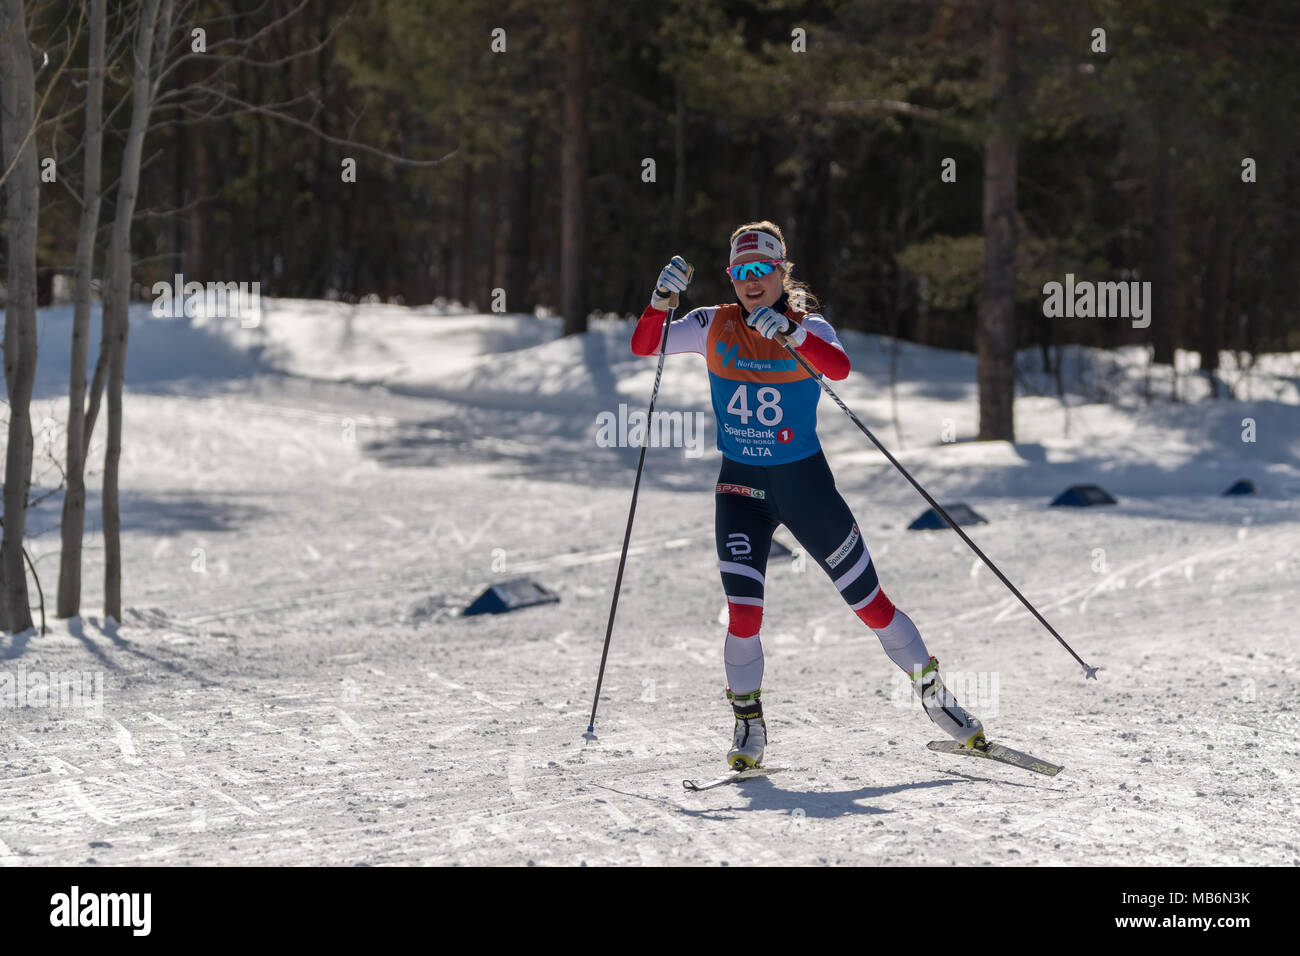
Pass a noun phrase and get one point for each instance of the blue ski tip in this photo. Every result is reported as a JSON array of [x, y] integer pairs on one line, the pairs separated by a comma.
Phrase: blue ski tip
[[1090, 673]]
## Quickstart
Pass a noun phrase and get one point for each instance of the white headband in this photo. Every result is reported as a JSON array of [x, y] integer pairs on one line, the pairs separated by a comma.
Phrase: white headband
[[754, 241]]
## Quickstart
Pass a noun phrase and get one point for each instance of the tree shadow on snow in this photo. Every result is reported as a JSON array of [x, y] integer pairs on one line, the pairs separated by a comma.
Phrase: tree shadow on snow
[[1206, 456], [552, 442], [163, 356], [110, 631], [165, 514], [173, 514], [77, 628], [111, 651]]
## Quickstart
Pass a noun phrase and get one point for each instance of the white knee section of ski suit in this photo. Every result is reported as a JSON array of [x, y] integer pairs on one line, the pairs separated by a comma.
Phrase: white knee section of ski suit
[[743, 657], [902, 642]]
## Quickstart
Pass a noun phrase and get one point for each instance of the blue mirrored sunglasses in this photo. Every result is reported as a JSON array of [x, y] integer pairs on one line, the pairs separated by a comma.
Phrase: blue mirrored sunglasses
[[754, 270]]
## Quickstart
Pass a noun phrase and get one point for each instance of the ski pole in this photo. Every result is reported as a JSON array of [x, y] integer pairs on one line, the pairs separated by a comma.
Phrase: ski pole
[[1087, 671], [631, 513]]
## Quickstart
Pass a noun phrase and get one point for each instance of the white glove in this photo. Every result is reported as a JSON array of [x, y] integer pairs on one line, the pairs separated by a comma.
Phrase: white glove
[[767, 322], [672, 280]]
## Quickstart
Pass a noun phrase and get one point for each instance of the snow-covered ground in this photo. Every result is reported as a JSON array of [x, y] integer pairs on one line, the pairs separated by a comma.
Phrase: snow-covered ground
[[308, 504]]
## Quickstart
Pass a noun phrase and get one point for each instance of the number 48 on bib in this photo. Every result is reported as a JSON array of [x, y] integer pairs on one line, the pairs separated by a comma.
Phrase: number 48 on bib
[[767, 411]]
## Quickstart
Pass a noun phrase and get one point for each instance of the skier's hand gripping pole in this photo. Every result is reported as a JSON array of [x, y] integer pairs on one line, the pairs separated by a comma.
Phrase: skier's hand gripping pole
[[672, 281], [1088, 672]]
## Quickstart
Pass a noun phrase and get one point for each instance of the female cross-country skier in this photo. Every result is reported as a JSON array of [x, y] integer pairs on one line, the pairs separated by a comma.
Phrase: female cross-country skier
[[774, 472]]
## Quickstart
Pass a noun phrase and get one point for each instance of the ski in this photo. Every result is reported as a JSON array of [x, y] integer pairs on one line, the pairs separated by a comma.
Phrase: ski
[[1000, 753], [734, 776]]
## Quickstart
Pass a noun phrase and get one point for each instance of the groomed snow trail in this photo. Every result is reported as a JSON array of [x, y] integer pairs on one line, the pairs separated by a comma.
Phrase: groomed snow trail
[[293, 684]]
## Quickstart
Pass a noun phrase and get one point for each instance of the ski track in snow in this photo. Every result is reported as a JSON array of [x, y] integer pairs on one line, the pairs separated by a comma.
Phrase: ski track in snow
[[293, 684]]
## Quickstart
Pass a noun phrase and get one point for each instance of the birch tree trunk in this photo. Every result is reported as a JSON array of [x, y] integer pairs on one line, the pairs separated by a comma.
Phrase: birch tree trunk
[[74, 501], [117, 298], [17, 100]]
